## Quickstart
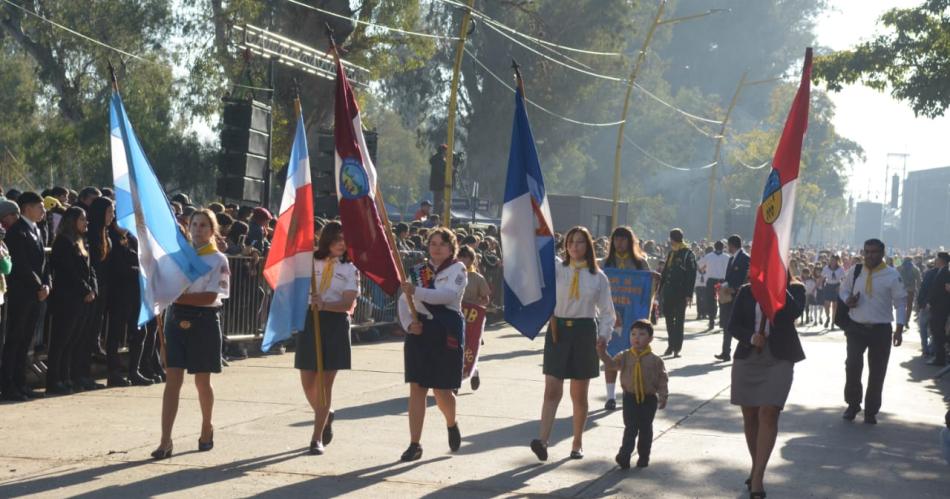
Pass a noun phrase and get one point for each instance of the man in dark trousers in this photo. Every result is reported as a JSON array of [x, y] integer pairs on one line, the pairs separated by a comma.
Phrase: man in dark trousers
[[873, 292], [939, 301], [676, 284], [737, 274], [28, 286]]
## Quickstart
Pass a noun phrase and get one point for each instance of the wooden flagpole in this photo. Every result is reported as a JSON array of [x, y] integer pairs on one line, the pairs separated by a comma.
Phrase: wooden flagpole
[[381, 208]]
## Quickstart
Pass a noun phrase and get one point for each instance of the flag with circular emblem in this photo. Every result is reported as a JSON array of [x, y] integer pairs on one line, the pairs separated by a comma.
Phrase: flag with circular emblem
[[768, 268]]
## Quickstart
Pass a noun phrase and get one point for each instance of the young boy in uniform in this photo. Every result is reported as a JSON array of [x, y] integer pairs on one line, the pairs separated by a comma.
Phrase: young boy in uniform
[[644, 381]]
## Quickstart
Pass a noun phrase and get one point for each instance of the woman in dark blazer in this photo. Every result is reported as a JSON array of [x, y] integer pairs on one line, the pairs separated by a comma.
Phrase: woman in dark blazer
[[101, 214], [762, 371], [70, 300]]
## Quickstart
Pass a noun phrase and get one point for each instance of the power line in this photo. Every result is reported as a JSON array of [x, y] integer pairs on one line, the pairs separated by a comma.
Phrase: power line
[[538, 106], [76, 33], [374, 25], [671, 106], [664, 163], [488, 20], [763, 165]]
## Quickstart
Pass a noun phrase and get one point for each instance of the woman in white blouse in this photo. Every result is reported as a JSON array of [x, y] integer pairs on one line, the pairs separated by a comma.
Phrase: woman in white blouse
[[583, 312], [193, 334], [436, 339], [338, 285]]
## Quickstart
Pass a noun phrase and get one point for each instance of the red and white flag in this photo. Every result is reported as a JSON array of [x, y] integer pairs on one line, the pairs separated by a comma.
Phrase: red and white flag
[[366, 240], [773, 223]]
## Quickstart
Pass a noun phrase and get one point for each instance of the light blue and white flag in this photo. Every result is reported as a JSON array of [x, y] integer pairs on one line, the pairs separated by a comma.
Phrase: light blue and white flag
[[167, 262]]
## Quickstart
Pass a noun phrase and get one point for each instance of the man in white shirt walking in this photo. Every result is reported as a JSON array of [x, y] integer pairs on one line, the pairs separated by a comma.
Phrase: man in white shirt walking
[[872, 297], [713, 265]]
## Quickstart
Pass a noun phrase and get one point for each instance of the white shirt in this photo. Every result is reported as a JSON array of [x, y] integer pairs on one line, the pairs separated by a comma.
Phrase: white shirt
[[832, 276], [887, 295], [345, 278], [449, 288], [594, 302], [810, 286], [218, 280], [716, 265]]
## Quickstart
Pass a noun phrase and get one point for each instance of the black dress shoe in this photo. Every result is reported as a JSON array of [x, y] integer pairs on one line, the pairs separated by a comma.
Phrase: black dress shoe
[[539, 450], [611, 405], [118, 382], [13, 396], [622, 461], [75, 385], [476, 381], [31, 393], [327, 434], [676, 355], [643, 462], [723, 357], [455, 437], [58, 389], [668, 352], [851, 412], [413, 453], [577, 454], [935, 362], [137, 379], [757, 495], [870, 419]]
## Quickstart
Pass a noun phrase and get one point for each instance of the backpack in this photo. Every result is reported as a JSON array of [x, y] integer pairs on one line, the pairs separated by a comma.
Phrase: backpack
[[842, 316]]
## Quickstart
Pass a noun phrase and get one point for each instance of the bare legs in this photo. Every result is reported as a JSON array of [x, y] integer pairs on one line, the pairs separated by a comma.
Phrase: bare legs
[[761, 429], [311, 383], [553, 391], [445, 399], [175, 377]]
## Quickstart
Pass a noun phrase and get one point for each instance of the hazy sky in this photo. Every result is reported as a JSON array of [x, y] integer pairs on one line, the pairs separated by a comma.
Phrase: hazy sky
[[881, 124]]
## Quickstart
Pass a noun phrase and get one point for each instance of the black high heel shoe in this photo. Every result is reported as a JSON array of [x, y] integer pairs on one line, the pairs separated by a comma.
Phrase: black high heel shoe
[[159, 454], [327, 434], [539, 449], [757, 495], [316, 448], [206, 446]]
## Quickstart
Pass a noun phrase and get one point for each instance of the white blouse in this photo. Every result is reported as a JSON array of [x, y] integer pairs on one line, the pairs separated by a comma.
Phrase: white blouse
[[594, 301], [218, 280], [345, 278], [449, 288]]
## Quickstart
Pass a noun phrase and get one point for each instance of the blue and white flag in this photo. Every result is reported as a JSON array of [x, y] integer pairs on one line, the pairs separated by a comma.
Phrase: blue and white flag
[[167, 262], [526, 233]]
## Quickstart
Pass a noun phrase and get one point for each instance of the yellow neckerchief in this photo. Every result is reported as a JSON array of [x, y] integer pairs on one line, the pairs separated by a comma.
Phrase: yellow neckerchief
[[869, 284], [208, 249], [620, 259], [327, 278], [676, 247], [575, 293], [639, 392]]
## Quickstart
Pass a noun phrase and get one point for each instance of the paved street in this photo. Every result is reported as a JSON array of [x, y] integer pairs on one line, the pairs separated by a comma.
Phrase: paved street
[[97, 444]]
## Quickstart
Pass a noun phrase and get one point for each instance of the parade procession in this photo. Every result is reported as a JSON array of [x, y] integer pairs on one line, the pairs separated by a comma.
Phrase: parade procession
[[335, 216]]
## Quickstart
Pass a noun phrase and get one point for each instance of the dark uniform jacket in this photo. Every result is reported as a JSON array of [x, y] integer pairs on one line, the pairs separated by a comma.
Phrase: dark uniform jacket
[[737, 273], [782, 339], [30, 270], [75, 277], [938, 299], [679, 276]]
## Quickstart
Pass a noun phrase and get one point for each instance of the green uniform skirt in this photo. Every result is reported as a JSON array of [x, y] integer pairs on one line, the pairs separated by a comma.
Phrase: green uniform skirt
[[570, 349]]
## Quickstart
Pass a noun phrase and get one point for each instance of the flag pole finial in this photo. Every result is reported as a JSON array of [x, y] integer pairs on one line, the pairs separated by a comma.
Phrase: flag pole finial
[[296, 86], [331, 39], [114, 81], [518, 79]]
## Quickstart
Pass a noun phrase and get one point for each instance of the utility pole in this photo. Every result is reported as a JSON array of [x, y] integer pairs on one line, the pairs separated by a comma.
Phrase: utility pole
[[453, 99]]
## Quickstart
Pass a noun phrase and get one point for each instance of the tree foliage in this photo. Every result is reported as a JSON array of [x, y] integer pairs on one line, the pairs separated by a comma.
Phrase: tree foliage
[[912, 58]]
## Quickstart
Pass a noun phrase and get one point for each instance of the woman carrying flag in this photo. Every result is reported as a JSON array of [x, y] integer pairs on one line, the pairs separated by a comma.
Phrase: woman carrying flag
[[624, 253], [584, 311], [193, 334], [338, 285], [436, 339]]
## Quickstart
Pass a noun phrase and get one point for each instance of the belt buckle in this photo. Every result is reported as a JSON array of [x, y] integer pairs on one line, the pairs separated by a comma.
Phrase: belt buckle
[[569, 323]]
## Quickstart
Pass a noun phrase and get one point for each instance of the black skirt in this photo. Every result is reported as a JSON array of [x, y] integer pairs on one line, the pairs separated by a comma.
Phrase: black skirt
[[573, 354], [433, 359], [334, 343], [193, 339]]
